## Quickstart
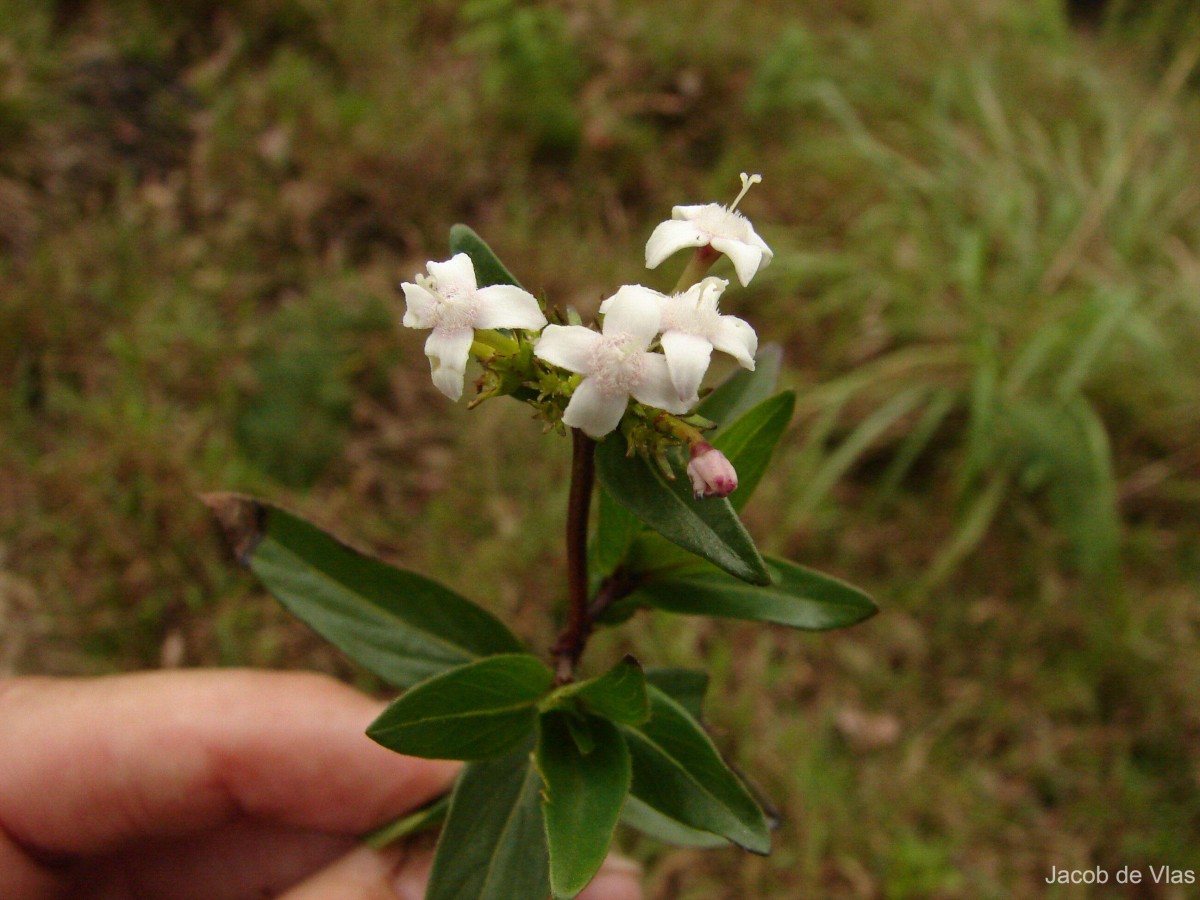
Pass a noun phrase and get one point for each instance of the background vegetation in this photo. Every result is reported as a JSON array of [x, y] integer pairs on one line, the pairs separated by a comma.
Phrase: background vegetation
[[986, 217]]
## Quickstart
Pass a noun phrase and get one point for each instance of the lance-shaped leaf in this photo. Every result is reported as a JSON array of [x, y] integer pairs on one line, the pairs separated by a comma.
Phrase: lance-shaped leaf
[[488, 268], [483, 709], [744, 389], [616, 527], [649, 821], [583, 796], [750, 439], [493, 846], [678, 772], [428, 816], [619, 694], [754, 424], [709, 528], [798, 597], [398, 624], [686, 687]]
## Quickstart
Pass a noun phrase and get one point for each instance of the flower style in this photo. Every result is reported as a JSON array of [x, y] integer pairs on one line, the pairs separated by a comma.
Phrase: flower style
[[711, 224], [450, 302], [712, 474], [691, 326], [615, 364]]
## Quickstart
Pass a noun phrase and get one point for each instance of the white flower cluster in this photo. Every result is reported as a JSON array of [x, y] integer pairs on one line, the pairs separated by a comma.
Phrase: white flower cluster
[[617, 362]]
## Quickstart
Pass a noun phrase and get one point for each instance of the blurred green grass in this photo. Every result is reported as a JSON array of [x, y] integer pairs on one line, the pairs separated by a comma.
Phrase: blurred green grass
[[988, 262]]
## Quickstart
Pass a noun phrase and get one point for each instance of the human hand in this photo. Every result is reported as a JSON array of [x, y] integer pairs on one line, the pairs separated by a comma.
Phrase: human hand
[[213, 785]]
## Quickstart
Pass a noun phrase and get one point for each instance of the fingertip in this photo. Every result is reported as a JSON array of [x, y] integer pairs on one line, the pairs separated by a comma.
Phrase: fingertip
[[362, 874], [619, 879], [394, 873], [411, 877]]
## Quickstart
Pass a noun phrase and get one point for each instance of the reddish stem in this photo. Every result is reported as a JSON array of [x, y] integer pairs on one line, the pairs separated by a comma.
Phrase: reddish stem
[[569, 646]]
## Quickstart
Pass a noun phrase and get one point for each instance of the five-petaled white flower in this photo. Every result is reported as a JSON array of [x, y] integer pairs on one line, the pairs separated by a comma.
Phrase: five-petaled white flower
[[450, 302], [722, 227], [615, 364], [692, 325]]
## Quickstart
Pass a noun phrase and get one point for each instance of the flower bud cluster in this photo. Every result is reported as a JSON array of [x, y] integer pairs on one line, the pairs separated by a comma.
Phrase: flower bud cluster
[[652, 348]]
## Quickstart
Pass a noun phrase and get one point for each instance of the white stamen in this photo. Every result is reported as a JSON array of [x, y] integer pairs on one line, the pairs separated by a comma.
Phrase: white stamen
[[747, 182]]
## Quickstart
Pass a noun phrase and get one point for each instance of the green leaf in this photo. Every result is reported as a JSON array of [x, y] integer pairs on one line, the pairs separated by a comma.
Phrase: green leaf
[[743, 390], [616, 527], [582, 799], [415, 822], [488, 268], [686, 687], [799, 597], [483, 709], [709, 528], [619, 694], [678, 772], [493, 846], [749, 441], [649, 821], [399, 625]]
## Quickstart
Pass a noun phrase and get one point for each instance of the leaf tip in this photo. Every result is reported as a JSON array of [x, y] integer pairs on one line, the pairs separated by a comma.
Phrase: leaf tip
[[242, 519]]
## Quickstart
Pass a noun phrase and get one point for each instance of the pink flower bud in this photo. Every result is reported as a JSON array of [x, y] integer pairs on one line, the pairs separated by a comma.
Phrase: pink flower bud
[[711, 473]]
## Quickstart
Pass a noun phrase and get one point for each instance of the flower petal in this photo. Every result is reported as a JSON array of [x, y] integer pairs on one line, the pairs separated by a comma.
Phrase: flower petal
[[631, 311], [735, 337], [687, 360], [657, 390], [768, 253], [696, 211], [448, 351], [747, 259], [456, 272], [670, 236], [636, 291], [593, 411], [419, 306], [568, 346], [508, 306]]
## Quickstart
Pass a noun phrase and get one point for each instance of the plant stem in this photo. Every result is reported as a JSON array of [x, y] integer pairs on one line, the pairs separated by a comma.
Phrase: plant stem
[[700, 263], [569, 647]]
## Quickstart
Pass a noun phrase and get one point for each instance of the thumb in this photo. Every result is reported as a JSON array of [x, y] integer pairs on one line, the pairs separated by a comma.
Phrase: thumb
[[394, 873], [402, 873]]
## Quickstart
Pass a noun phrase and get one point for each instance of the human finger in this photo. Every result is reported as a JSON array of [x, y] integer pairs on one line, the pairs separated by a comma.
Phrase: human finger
[[87, 765], [403, 874]]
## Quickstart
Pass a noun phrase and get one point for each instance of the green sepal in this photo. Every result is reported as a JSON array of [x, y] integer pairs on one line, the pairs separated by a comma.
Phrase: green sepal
[[480, 710], [400, 625]]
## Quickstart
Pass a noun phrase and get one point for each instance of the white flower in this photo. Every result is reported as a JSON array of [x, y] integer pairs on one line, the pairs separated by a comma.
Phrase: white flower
[[711, 473], [615, 364], [711, 224], [449, 302], [691, 326]]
